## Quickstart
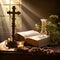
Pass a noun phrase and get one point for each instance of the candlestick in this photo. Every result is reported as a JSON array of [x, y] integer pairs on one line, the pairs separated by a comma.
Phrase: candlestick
[[43, 26]]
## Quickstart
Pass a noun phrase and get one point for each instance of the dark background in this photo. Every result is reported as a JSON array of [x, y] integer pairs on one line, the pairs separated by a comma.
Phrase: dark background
[[46, 7]]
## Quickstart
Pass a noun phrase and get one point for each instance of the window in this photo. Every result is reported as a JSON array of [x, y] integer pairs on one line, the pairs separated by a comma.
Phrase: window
[[6, 19]]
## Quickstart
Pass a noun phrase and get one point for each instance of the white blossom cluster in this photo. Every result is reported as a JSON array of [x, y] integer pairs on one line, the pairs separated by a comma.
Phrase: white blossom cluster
[[53, 16]]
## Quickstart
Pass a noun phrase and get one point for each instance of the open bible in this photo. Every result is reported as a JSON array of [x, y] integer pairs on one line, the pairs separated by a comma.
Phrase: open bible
[[33, 37]]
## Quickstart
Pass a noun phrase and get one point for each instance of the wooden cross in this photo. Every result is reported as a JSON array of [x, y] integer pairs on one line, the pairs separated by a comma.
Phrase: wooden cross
[[13, 20]]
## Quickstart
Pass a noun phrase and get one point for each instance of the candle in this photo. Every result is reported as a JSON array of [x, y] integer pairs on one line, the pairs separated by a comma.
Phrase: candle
[[43, 25], [9, 39], [43, 21], [20, 44]]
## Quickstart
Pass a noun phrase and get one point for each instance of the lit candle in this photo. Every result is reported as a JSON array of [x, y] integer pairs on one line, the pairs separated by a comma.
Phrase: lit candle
[[20, 44], [43, 27], [9, 39]]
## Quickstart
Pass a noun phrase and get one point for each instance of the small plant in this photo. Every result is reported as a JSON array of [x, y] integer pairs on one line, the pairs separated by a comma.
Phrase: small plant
[[52, 29]]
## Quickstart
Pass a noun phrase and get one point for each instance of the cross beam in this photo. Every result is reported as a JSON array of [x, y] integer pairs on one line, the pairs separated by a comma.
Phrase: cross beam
[[13, 20]]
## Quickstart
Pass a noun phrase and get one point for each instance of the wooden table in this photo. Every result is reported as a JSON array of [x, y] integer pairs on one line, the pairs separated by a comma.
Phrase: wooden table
[[13, 54]]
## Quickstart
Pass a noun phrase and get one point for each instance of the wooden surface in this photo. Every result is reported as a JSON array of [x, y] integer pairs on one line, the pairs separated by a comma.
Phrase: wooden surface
[[33, 54], [3, 47]]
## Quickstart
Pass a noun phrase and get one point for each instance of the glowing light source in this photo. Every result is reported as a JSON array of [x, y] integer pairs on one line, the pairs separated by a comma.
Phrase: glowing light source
[[6, 1], [15, 1], [20, 44]]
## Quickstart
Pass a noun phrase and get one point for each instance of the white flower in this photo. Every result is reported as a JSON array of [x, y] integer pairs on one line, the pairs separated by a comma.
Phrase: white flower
[[53, 16]]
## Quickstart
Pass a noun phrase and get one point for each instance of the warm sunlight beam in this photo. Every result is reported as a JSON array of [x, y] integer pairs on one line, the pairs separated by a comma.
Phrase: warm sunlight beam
[[29, 16], [29, 20], [6, 1], [6, 20], [31, 9]]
